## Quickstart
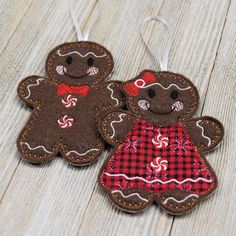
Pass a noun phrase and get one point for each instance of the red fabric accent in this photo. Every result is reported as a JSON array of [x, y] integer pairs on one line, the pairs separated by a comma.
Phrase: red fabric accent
[[63, 89], [149, 78], [151, 159], [133, 90]]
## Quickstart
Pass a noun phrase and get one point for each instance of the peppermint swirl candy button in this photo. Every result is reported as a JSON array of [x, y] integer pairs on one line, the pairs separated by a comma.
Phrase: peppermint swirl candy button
[[159, 164], [65, 121], [160, 141], [69, 101]]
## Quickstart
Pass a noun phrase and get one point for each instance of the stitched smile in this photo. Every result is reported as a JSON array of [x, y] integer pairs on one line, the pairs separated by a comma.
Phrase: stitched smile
[[76, 77], [159, 112]]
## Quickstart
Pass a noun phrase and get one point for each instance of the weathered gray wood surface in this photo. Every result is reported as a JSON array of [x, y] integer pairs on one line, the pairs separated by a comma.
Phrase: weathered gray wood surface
[[57, 199]]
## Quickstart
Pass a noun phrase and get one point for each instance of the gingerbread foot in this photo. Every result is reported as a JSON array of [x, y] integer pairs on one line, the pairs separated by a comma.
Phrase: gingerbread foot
[[178, 202], [80, 157], [36, 153], [131, 200], [35, 144], [79, 150]]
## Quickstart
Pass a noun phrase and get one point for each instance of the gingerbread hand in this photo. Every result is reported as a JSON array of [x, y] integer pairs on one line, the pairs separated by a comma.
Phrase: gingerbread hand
[[32, 89], [115, 126], [205, 132], [109, 95]]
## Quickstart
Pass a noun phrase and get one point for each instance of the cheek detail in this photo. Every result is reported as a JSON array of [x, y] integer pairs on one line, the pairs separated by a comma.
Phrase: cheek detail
[[92, 70], [143, 104], [177, 106], [61, 70]]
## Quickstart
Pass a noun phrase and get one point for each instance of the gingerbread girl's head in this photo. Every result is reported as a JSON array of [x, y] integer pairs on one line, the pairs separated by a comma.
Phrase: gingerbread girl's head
[[162, 98], [79, 63]]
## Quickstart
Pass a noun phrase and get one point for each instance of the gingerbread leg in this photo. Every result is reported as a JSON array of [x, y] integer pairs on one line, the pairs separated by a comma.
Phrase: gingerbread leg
[[131, 200], [37, 143], [79, 151], [177, 202]]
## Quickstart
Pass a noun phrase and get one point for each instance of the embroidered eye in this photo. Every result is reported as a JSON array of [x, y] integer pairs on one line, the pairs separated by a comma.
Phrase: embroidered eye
[[174, 94], [151, 93], [90, 61], [69, 60]]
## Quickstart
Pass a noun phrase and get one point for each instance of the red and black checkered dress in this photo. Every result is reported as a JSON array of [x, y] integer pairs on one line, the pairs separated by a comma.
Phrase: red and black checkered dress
[[157, 159]]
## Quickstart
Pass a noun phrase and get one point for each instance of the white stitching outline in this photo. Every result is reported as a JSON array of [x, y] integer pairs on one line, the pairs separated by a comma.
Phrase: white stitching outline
[[130, 195], [166, 88], [160, 181], [112, 92], [34, 148], [32, 85], [204, 136], [180, 201], [85, 55], [116, 121], [82, 154]]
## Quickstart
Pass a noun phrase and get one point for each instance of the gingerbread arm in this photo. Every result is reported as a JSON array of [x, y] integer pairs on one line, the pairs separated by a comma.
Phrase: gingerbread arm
[[32, 89], [205, 132], [110, 96], [115, 126]]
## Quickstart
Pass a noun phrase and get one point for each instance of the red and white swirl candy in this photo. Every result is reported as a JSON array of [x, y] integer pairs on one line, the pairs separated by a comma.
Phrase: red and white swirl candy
[[160, 141], [65, 121], [69, 101], [159, 164]]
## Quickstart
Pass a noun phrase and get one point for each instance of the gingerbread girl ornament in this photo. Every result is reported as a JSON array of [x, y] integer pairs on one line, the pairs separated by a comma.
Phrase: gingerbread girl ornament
[[160, 147], [68, 102]]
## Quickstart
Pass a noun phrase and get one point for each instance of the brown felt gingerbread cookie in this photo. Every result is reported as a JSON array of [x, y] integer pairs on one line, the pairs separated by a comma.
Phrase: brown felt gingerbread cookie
[[67, 104], [160, 148]]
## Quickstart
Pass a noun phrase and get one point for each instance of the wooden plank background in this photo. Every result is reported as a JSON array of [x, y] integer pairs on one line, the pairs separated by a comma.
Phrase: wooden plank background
[[58, 199]]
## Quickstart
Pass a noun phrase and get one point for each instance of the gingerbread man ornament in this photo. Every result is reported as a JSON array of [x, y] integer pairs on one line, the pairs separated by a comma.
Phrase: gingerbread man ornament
[[160, 148], [67, 104]]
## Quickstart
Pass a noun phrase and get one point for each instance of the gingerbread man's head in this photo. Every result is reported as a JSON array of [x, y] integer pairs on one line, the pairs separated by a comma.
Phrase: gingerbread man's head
[[79, 63], [162, 98]]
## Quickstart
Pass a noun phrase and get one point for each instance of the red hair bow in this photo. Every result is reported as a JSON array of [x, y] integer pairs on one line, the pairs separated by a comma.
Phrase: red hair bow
[[63, 89], [134, 88]]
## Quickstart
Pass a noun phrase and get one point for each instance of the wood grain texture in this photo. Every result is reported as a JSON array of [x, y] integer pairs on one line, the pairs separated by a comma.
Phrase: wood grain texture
[[25, 55], [57, 199], [217, 215], [11, 14]]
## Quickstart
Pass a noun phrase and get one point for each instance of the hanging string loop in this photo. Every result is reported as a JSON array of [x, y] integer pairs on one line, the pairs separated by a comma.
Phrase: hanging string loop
[[80, 35], [163, 62]]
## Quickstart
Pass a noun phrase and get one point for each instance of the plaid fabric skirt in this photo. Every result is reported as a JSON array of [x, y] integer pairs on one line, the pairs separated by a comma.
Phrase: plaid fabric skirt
[[158, 159]]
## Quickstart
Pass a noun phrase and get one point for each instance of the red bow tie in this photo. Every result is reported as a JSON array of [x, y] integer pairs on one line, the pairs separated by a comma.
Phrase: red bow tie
[[63, 89], [133, 88]]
